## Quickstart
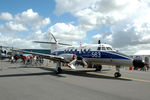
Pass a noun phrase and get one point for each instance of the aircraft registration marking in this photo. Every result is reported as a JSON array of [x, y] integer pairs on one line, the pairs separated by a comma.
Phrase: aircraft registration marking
[[140, 80], [96, 54]]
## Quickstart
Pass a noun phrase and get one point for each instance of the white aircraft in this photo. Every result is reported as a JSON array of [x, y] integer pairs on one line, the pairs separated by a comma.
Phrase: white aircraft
[[89, 55], [3, 52]]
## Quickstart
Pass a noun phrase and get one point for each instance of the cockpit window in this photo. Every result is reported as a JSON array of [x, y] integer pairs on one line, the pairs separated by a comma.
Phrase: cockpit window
[[109, 48]]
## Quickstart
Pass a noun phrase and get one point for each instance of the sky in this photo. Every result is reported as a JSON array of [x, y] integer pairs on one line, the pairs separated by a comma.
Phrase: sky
[[124, 24]]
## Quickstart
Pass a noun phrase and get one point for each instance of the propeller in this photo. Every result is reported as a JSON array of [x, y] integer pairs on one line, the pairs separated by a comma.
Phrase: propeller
[[73, 62]]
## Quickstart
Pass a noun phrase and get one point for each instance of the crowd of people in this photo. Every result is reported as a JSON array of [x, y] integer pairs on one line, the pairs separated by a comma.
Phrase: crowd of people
[[27, 59]]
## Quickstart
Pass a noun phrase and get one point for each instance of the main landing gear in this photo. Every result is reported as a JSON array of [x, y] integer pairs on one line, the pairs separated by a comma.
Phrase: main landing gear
[[58, 68], [98, 67], [117, 74]]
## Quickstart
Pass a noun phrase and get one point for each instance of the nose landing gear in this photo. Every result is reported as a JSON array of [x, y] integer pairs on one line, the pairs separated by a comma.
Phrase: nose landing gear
[[117, 74]]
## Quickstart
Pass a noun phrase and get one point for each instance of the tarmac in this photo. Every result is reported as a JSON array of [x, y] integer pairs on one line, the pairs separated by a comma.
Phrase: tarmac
[[20, 82]]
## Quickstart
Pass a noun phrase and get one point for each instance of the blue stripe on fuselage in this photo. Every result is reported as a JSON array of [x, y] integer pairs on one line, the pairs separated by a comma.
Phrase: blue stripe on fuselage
[[94, 54]]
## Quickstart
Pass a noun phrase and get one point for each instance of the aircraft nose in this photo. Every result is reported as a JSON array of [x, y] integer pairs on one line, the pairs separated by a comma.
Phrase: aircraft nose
[[138, 63]]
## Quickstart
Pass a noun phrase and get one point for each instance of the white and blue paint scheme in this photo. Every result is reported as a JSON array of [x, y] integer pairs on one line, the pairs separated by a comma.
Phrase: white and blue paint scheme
[[96, 54], [89, 55]]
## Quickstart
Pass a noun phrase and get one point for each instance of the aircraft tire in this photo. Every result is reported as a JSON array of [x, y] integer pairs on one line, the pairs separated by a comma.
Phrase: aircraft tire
[[98, 68], [117, 74], [59, 70]]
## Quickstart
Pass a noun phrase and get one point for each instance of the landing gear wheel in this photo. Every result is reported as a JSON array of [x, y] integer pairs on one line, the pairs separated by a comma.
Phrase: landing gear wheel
[[58, 70], [98, 68], [117, 74]]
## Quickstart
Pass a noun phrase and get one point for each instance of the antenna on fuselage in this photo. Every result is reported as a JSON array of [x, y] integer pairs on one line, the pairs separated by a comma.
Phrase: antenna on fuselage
[[99, 41]]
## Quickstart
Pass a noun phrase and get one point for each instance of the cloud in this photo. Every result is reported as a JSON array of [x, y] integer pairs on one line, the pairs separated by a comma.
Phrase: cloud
[[67, 32], [134, 30], [17, 42], [6, 16], [63, 6], [12, 27], [32, 19], [104, 11], [24, 21], [104, 38], [128, 20], [23, 28]]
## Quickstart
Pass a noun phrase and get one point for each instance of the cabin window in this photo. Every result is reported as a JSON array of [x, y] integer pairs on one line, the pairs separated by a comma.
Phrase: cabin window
[[75, 50], [84, 50], [65, 50], [99, 48], [103, 48], [71, 50], [89, 49]]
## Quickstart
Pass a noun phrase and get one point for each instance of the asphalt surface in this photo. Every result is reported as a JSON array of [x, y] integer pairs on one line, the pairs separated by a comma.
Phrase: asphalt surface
[[19, 82]]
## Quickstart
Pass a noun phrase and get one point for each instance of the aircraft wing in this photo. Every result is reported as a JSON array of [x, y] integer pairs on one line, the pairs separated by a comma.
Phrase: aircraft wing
[[46, 56], [50, 57]]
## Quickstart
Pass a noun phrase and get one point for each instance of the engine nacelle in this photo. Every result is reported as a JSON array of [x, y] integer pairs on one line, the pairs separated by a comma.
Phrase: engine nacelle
[[69, 57]]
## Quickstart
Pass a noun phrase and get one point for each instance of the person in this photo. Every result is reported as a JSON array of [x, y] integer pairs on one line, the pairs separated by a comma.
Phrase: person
[[16, 58], [24, 59], [12, 59], [147, 66]]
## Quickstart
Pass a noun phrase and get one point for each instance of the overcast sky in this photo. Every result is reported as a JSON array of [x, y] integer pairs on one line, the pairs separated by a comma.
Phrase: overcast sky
[[125, 24]]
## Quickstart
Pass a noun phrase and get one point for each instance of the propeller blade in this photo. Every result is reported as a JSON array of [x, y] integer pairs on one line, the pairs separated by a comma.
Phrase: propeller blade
[[84, 62], [71, 64]]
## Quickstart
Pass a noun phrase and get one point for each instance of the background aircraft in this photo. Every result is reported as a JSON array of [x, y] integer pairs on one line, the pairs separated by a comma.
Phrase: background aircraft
[[5, 52]]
